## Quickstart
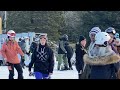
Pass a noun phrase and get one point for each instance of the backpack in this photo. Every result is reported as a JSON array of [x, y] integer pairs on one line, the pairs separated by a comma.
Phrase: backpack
[[69, 50]]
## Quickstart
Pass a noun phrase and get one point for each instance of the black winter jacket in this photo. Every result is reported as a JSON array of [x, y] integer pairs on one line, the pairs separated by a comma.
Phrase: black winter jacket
[[61, 48], [80, 51], [32, 47], [43, 60]]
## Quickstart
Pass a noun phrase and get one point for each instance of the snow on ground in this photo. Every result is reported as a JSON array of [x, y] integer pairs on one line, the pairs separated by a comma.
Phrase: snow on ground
[[68, 74]]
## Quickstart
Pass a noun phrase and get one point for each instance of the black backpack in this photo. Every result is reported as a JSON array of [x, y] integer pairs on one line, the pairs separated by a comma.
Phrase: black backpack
[[69, 50]]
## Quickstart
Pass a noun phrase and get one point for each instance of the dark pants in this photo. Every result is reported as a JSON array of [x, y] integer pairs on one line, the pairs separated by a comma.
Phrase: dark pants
[[1, 62], [87, 72], [69, 62], [79, 76], [18, 68], [22, 62]]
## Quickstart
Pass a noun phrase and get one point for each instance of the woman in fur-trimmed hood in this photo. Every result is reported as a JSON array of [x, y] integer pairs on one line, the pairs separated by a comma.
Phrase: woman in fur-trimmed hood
[[103, 59]]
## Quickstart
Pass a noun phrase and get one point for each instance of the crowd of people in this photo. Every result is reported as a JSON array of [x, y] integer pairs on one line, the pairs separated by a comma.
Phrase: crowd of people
[[99, 61], [102, 59]]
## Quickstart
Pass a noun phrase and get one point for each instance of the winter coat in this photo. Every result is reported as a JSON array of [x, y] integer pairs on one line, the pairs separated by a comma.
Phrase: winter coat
[[87, 69], [22, 45], [10, 51], [69, 50], [33, 46], [103, 64], [80, 51], [43, 60], [91, 48], [61, 48], [116, 49]]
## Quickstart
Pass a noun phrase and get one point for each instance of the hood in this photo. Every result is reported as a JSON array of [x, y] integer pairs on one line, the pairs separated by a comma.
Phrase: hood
[[101, 60]]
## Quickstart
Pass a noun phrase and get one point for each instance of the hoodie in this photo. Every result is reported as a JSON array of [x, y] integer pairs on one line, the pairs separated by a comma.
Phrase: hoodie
[[42, 59]]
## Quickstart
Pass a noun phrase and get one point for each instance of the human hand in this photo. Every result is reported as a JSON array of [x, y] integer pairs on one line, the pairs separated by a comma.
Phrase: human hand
[[31, 73], [50, 74]]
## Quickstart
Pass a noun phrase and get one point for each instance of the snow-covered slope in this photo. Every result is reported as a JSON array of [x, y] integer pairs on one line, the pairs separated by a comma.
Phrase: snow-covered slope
[[68, 74]]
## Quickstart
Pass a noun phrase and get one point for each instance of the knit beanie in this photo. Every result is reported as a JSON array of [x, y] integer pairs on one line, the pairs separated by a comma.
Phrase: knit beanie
[[81, 38], [94, 30]]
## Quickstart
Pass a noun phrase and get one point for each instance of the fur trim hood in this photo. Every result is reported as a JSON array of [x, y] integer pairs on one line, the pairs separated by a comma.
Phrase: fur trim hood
[[101, 60]]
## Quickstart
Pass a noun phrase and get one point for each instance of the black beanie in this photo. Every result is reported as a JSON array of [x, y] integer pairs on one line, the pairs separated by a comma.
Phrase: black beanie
[[81, 38]]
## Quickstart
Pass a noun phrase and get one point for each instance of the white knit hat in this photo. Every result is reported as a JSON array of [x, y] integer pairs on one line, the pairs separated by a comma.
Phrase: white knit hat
[[94, 30]]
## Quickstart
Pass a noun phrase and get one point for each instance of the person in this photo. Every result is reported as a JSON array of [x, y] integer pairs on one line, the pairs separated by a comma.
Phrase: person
[[111, 31], [80, 51], [117, 35], [70, 52], [103, 59], [117, 42], [1, 59], [62, 54], [34, 45], [117, 47], [22, 45], [10, 50], [114, 43], [42, 59], [92, 34]]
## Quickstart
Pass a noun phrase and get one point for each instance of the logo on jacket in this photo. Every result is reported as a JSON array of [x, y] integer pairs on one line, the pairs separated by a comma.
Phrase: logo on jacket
[[42, 56]]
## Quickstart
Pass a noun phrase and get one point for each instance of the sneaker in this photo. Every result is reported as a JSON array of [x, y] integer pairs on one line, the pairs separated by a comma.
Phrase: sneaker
[[64, 69]]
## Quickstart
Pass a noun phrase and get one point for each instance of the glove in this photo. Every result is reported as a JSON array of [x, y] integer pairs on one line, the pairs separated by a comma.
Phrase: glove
[[28, 53], [31, 74], [22, 57]]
